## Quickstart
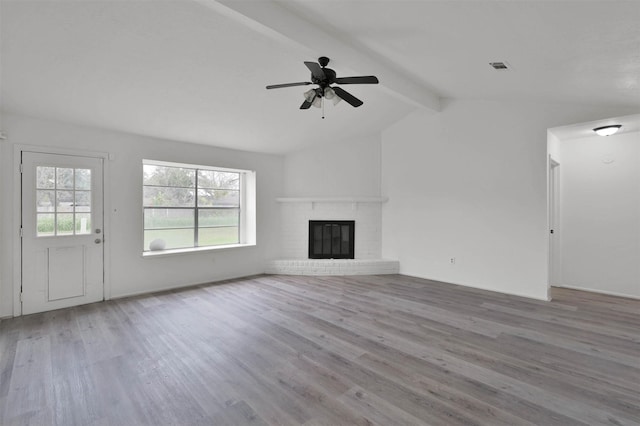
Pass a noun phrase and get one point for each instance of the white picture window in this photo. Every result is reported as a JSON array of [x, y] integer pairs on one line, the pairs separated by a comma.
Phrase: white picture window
[[188, 206]]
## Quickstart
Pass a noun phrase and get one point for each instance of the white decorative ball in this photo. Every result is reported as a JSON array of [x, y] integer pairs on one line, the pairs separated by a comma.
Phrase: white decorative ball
[[157, 244]]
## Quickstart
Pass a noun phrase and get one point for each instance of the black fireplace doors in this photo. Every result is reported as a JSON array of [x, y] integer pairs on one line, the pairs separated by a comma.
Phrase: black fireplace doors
[[331, 239]]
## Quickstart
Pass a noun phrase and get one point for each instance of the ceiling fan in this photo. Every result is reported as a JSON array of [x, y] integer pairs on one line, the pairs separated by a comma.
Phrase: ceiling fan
[[324, 77]]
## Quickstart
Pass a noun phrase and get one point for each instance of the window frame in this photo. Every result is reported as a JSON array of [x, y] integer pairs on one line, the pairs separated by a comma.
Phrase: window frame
[[245, 208]]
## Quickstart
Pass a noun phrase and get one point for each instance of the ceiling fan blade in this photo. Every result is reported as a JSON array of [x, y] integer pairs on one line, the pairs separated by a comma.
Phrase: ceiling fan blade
[[365, 79], [348, 97], [278, 86], [316, 70], [306, 105]]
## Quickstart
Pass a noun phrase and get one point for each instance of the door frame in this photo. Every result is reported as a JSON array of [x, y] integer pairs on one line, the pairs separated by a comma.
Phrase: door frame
[[553, 217], [18, 149]]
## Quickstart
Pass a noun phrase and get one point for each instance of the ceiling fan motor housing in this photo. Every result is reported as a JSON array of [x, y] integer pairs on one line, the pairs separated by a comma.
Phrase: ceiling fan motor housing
[[329, 78]]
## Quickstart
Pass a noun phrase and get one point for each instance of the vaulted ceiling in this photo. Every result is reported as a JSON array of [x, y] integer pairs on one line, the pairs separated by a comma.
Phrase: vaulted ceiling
[[196, 70]]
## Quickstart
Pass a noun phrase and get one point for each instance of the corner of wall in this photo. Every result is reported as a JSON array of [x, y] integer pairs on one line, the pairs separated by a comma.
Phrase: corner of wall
[[6, 168], [348, 168]]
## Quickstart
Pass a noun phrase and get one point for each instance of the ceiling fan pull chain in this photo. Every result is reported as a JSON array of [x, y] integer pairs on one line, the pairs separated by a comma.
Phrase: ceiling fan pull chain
[[322, 100]]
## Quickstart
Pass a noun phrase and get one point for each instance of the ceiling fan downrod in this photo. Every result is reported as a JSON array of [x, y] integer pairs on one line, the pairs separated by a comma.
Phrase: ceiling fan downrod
[[323, 61]]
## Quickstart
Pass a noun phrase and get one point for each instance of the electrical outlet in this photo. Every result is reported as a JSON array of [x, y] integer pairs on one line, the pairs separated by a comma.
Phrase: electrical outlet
[[452, 260]]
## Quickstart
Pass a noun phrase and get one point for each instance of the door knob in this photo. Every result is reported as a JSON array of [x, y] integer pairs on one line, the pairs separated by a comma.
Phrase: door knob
[[98, 241]]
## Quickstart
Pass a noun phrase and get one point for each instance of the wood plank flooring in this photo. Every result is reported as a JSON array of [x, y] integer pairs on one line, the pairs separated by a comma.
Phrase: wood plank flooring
[[287, 350]]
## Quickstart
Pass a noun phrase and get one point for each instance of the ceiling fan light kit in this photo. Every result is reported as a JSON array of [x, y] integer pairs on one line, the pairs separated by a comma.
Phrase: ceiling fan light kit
[[309, 95], [329, 93], [324, 77]]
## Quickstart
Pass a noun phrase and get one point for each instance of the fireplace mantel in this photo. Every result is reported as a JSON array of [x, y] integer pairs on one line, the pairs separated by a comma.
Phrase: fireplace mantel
[[354, 201], [333, 200]]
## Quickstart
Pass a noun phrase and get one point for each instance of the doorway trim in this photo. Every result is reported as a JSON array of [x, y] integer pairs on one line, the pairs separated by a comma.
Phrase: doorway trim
[[18, 149], [553, 216]]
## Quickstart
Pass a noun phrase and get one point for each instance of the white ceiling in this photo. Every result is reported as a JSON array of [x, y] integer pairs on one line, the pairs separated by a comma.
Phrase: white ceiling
[[195, 70], [629, 123]]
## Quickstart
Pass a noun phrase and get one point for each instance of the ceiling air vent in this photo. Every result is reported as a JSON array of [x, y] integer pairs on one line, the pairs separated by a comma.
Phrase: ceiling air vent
[[500, 66]]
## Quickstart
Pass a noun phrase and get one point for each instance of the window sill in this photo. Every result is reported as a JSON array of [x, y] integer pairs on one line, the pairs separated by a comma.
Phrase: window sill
[[160, 253]]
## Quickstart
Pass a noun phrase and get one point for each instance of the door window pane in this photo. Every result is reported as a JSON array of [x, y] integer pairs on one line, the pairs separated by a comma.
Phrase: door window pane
[[64, 224], [83, 179], [83, 223], [45, 177], [64, 201], [83, 201], [64, 178], [45, 224], [45, 200]]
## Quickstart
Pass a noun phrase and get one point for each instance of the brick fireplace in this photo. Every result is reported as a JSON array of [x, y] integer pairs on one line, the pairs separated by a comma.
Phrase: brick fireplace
[[366, 215]]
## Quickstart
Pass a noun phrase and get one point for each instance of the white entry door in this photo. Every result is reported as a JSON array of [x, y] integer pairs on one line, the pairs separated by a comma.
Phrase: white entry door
[[62, 235]]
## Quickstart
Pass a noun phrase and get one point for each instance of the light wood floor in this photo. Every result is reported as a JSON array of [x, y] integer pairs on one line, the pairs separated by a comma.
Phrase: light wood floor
[[387, 350]]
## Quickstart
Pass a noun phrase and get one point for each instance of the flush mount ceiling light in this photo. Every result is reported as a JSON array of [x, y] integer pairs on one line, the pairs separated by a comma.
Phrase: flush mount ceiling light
[[607, 130], [500, 66]]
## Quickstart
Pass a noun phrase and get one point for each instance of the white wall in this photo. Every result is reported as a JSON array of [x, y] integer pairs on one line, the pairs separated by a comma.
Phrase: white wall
[[129, 272], [336, 169], [471, 183], [600, 213]]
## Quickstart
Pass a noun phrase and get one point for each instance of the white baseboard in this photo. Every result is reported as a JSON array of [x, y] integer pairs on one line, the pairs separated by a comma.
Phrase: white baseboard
[[593, 290], [177, 287], [527, 296]]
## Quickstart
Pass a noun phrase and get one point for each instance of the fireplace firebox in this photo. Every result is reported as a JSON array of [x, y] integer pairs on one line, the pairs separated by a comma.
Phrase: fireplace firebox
[[331, 239]]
